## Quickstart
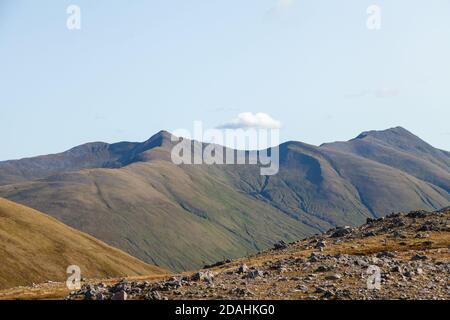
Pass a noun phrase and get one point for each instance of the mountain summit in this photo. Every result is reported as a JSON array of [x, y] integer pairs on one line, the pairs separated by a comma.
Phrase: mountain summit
[[399, 148]]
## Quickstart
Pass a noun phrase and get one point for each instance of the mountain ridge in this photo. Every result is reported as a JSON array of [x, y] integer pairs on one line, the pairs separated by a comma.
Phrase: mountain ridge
[[123, 153]]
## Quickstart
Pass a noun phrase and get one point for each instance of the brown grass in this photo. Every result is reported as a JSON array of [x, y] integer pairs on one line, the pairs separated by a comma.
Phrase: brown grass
[[35, 248]]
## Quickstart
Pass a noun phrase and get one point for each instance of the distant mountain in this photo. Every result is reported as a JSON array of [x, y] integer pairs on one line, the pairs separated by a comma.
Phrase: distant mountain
[[87, 156], [326, 186], [181, 217], [37, 248], [402, 150]]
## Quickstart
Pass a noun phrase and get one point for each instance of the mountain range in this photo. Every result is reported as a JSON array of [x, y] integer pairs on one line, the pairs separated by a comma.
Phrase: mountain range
[[131, 195]]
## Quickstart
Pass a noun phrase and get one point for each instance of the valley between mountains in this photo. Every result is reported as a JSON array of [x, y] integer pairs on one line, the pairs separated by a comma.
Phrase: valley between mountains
[[178, 218]]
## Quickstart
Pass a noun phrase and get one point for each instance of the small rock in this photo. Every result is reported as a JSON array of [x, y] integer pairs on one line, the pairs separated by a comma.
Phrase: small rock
[[323, 269], [341, 232], [280, 245], [398, 234], [409, 274], [417, 214], [386, 254], [207, 277], [396, 269], [241, 292], [302, 288], [255, 274], [154, 295], [327, 295], [333, 277], [369, 234], [320, 290], [320, 244], [120, 295], [89, 295], [243, 268], [419, 257]]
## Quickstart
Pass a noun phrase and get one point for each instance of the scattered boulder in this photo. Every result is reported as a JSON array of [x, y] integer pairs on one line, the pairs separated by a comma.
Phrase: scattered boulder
[[255, 274], [328, 294], [120, 295], [419, 257], [100, 296], [417, 214], [174, 282], [302, 287], [314, 257], [397, 222], [361, 262], [333, 277], [396, 269], [89, 295], [320, 244], [154, 295], [386, 254], [243, 268], [369, 234], [398, 234], [244, 292], [341, 232], [280, 245], [324, 268], [207, 276]]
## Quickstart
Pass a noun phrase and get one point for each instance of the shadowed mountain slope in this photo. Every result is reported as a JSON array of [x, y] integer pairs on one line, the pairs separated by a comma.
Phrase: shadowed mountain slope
[[336, 188], [36, 248]]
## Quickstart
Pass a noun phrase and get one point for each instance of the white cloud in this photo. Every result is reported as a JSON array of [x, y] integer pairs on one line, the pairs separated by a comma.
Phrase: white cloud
[[248, 120]]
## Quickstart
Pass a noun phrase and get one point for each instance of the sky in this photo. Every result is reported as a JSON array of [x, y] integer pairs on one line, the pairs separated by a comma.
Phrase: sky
[[313, 67]]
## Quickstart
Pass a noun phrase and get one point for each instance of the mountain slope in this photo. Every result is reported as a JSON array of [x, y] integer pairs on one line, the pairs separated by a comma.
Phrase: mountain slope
[[177, 217], [411, 251], [335, 188], [36, 248], [402, 150], [182, 217]]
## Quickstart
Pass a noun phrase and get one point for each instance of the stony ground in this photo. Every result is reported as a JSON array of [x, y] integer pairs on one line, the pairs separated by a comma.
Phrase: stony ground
[[410, 251]]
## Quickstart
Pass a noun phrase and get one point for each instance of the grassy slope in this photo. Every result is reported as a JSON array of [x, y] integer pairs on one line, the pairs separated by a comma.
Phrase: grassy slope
[[36, 248], [180, 218], [328, 188]]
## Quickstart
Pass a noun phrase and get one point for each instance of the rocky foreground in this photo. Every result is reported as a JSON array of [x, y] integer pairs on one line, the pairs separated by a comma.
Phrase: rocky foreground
[[410, 251]]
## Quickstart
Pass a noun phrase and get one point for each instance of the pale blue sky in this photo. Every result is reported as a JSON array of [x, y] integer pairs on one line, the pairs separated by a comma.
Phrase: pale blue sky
[[140, 66]]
